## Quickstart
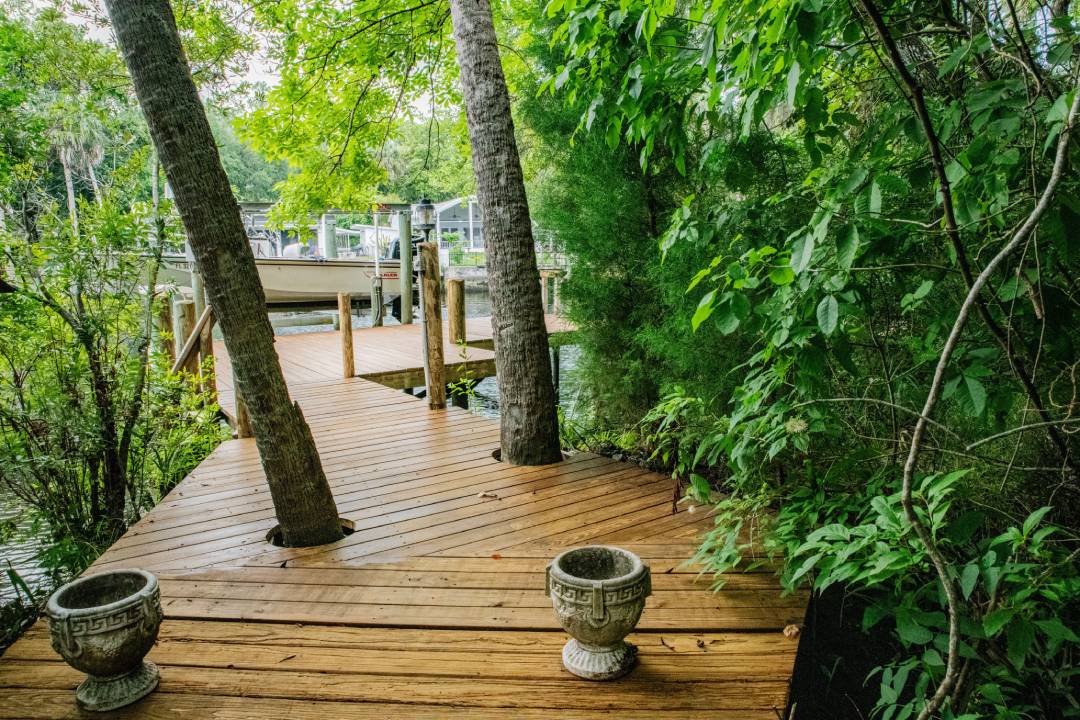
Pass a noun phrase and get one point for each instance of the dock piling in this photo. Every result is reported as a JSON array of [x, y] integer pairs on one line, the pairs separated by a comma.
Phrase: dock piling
[[348, 358], [455, 302], [436, 371], [165, 328], [405, 271]]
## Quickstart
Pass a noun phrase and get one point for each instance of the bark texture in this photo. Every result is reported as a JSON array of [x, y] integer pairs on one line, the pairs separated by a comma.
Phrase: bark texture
[[530, 426], [147, 34]]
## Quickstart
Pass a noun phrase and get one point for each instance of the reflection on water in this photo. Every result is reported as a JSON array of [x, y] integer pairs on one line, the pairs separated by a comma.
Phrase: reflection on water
[[21, 550]]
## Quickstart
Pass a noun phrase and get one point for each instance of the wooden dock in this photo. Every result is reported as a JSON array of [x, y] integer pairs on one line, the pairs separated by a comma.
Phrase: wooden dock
[[434, 607], [391, 355]]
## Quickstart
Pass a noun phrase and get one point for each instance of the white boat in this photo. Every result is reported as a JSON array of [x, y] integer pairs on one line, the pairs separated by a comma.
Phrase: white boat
[[298, 281]]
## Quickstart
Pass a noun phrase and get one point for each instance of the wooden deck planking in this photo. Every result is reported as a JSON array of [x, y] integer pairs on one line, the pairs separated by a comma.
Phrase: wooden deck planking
[[434, 607], [391, 355]]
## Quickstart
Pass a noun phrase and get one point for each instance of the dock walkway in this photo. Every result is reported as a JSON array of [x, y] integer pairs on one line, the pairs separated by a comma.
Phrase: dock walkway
[[434, 607]]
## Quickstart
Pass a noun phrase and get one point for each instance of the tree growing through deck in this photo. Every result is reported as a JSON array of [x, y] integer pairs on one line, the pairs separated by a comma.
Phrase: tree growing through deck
[[148, 37], [529, 424], [376, 59]]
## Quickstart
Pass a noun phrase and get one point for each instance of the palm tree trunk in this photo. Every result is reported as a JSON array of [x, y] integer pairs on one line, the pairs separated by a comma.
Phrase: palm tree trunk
[[69, 185], [147, 35], [530, 426], [94, 181]]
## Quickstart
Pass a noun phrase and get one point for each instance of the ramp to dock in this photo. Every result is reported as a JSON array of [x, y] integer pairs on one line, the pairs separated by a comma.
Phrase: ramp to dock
[[434, 607]]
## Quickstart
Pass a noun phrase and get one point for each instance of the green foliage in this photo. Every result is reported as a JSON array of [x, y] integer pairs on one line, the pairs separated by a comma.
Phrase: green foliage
[[93, 430], [350, 74], [831, 250], [253, 178]]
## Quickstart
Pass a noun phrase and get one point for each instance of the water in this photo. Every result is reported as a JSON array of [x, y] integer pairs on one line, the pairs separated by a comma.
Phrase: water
[[20, 551]]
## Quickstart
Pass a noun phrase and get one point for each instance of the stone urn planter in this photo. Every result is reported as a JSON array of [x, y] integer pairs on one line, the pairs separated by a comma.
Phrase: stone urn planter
[[103, 625], [598, 593]]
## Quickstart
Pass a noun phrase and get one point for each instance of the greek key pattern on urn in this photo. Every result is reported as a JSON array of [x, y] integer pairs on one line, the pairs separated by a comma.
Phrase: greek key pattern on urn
[[584, 595]]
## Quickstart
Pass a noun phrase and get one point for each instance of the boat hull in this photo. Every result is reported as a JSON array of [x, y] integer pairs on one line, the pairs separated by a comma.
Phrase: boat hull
[[288, 281]]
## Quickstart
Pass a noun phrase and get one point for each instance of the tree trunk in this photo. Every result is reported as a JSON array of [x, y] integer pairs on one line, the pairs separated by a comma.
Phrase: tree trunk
[[530, 426], [69, 185], [93, 181], [147, 35]]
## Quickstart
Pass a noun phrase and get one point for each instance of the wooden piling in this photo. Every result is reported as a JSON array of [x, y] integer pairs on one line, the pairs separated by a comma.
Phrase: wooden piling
[[429, 276], [348, 358], [185, 314], [166, 332], [376, 302], [405, 272], [455, 302]]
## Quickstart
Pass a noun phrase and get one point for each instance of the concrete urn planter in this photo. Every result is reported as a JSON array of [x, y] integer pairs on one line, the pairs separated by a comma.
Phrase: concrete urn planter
[[103, 625], [598, 593]]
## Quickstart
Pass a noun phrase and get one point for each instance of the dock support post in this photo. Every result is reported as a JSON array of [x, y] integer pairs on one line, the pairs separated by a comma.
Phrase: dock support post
[[455, 303], [165, 328], [185, 316], [348, 359], [405, 271], [436, 372], [376, 302], [206, 337]]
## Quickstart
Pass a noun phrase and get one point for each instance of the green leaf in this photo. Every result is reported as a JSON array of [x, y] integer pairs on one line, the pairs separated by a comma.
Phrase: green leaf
[[1034, 519], [828, 312], [1056, 630], [968, 579], [782, 275], [923, 290], [704, 309], [1019, 637], [801, 251], [701, 486], [726, 320], [977, 394], [875, 199], [793, 83], [847, 247], [996, 620], [910, 631], [740, 306]]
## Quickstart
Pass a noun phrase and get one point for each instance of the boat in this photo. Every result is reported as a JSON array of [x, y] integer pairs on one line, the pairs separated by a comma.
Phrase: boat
[[304, 281]]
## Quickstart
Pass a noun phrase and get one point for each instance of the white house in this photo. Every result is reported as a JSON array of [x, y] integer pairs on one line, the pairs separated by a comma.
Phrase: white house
[[460, 216]]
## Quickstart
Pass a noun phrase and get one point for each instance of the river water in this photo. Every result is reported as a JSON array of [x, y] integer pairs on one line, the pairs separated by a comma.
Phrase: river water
[[22, 551]]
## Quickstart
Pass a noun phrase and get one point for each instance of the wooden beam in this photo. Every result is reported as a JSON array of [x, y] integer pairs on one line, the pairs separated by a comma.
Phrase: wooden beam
[[186, 358], [191, 334], [348, 357], [436, 375], [455, 302]]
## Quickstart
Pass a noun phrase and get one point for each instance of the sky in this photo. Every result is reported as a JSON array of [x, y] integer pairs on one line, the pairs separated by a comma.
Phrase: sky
[[93, 18]]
